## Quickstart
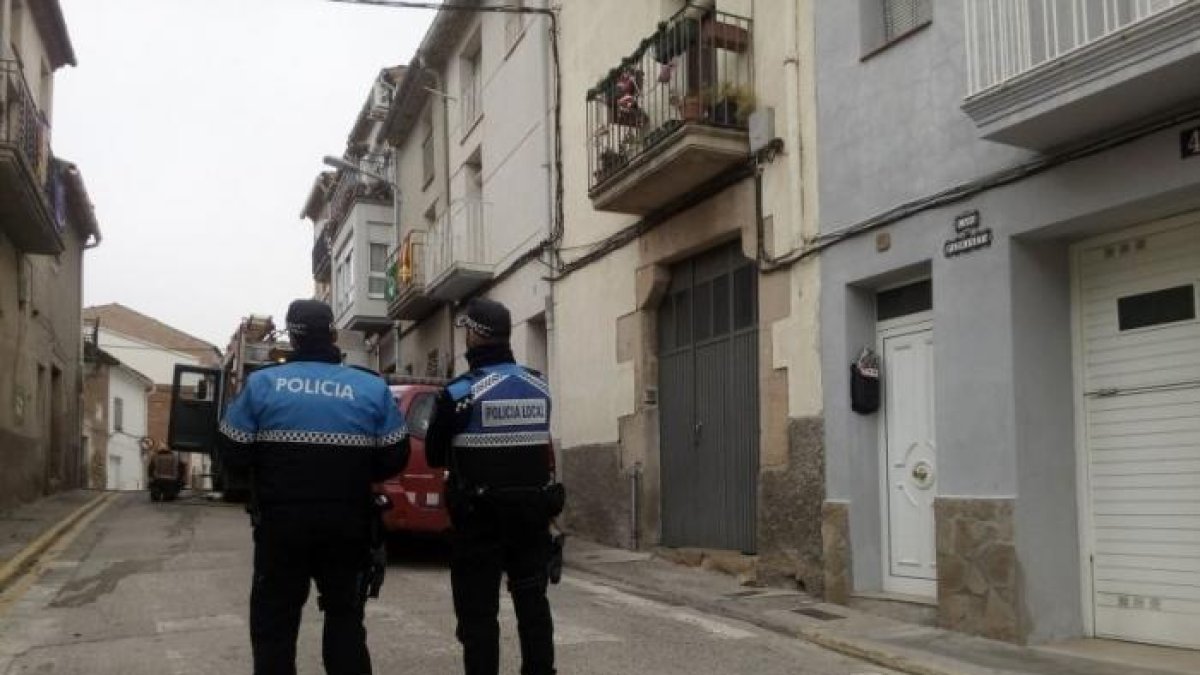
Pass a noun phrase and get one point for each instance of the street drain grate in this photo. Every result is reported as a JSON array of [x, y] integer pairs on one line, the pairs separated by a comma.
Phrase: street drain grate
[[743, 594], [817, 613]]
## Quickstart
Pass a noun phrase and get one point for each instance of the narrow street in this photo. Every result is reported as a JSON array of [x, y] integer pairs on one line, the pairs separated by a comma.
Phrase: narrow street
[[162, 588]]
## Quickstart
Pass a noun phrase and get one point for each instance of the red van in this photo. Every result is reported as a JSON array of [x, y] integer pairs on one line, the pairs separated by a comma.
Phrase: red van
[[418, 504]]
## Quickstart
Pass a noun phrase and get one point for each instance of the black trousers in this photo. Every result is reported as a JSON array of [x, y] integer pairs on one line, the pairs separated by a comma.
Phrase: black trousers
[[290, 550], [515, 541]]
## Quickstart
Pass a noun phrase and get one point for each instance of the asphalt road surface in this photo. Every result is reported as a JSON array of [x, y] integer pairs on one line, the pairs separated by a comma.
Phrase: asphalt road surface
[[163, 588]]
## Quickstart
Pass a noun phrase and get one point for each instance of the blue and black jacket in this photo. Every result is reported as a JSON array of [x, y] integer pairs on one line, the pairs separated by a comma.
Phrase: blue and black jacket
[[314, 433], [491, 426]]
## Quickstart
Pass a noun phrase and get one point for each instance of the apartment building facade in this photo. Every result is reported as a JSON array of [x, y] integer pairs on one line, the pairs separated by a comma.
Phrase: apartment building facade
[[688, 395], [472, 129], [351, 209], [1009, 197], [46, 223]]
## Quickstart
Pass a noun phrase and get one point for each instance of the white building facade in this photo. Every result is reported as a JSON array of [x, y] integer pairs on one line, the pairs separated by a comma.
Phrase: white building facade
[[353, 218], [473, 134], [128, 419]]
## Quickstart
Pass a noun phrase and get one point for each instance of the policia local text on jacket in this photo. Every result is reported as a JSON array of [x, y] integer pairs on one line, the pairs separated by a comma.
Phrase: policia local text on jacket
[[491, 428], [314, 434]]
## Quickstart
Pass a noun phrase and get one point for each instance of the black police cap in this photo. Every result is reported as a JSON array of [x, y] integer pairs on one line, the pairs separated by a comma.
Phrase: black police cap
[[486, 318], [309, 318]]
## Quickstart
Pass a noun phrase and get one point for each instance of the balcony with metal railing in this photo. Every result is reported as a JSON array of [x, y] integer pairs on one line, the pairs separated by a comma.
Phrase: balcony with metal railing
[[321, 259], [673, 114], [407, 292], [27, 173], [350, 191], [457, 261], [1041, 73]]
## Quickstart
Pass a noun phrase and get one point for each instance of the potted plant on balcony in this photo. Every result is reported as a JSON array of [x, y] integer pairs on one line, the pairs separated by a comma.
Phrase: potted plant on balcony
[[731, 105], [610, 162]]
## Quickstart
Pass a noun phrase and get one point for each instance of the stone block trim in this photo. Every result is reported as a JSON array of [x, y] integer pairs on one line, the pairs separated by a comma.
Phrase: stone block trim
[[790, 503], [979, 580], [835, 541], [597, 494]]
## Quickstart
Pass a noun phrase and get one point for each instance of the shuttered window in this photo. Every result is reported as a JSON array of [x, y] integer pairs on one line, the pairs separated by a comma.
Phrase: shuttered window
[[903, 16]]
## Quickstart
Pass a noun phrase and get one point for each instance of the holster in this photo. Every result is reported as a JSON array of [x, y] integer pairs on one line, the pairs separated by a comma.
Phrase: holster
[[554, 563], [371, 581]]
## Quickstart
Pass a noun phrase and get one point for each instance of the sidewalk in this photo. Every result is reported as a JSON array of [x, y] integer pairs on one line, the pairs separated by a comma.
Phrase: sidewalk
[[28, 529], [894, 644]]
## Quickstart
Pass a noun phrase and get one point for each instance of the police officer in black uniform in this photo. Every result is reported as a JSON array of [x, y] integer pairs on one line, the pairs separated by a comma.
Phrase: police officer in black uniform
[[314, 434], [491, 427]]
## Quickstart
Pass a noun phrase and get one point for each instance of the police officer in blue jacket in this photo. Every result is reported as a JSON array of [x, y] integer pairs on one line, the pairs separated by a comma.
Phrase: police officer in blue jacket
[[491, 427], [314, 434]]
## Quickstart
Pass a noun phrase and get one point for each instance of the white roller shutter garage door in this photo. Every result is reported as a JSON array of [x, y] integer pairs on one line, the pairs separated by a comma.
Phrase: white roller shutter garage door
[[1140, 341]]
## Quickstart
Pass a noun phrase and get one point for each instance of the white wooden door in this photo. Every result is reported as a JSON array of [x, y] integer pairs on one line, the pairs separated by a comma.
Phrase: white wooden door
[[1140, 341], [114, 473], [910, 457]]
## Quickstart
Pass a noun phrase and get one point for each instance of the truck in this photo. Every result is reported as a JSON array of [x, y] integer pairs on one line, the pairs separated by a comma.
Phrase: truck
[[199, 396]]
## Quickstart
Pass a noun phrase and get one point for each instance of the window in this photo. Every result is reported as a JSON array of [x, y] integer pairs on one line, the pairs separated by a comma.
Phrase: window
[[901, 17], [1169, 305], [514, 25], [905, 300], [377, 281], [419, 414], [344, 288], [118, 414], [472, 88], [886, 21]]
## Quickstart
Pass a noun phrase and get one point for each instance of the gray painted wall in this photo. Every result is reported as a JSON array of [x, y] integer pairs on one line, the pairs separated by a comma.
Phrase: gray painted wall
[[891, 130], [1047, 534]]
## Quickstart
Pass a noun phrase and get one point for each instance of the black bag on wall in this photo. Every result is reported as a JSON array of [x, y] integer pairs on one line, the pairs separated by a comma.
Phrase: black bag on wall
[[864, 383]]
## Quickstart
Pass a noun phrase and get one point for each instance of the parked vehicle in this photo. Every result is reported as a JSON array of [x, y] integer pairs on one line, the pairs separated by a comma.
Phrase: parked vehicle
[[417, 494]]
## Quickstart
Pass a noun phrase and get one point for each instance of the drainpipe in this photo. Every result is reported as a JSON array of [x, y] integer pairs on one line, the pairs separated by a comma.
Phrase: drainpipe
[[791, 63], [635, 490], [439, 86], [6, 27]]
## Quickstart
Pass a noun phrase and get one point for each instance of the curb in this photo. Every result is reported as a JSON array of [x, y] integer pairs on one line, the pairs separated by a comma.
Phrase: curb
[[846, 647], [878, 657], [19, 563]]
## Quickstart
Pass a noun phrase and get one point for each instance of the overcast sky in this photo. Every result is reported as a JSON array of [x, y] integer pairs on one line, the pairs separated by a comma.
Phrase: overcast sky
[[199, 126]]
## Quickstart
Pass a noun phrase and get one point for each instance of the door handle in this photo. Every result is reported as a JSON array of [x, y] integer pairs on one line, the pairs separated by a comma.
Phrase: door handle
[[699, 429]]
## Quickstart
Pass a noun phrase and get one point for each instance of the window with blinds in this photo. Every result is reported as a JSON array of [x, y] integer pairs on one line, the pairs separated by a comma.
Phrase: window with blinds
[[901, 17]]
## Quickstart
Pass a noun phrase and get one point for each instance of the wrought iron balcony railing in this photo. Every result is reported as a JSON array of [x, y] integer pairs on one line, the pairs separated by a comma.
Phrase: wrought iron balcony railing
[[23, 125], [1006, 38], [697, 68], [406, 266]]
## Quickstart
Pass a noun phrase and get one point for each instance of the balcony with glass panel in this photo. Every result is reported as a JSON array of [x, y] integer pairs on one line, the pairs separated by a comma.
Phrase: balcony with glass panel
[[1043, 73], [456, 258]]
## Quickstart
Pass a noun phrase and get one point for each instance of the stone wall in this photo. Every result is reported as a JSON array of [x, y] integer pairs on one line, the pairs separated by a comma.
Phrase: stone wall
[[979, 580], [790, 502], [835, 541], [597, 494]]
